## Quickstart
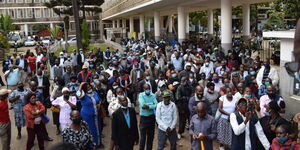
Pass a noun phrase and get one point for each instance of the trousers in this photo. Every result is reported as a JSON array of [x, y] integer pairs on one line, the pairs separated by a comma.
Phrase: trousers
[[147, 127], [5, 135], [38, 131]]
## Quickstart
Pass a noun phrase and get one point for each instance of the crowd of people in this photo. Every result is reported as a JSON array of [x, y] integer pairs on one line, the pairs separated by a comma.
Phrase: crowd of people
[[191, 87]]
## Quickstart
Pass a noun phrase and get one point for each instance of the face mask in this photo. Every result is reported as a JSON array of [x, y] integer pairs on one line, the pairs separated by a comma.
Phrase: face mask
[[200, 96], [267, 83], [252, 73], [267, 66], [111, 68], [243, 111], [95, 80], [77, 120], [191, 80], [91, 66], [207, 64], [116, 86], [247, 95], [56, 87], [226, 84], [222, 72], [216, 80], [148, 92], [267, 114], [124, 107], [166, 101], [282, 140], [147, 77], [90, 91], [210, 91], [81, 52], [21, 88], [174, 75], [66, 96]]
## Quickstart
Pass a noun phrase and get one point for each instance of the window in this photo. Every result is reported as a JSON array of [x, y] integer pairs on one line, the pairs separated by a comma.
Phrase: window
[[12, 13], [28, 1], [72, 25], [36, 1], [54, 14], [37, 13], [10, 1], [29, 13], [19, 1], [2, 1], [46, 12], [20, 13]]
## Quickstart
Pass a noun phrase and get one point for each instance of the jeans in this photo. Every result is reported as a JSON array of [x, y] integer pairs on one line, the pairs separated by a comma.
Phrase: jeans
[[38, 131], [147, 128], [5, 135], [162, 138]]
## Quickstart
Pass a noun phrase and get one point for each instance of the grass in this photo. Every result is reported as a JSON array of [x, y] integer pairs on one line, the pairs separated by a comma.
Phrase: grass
[[91, 47]]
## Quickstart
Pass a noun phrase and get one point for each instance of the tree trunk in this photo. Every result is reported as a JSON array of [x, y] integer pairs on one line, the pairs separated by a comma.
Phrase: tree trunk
[[77, 24]]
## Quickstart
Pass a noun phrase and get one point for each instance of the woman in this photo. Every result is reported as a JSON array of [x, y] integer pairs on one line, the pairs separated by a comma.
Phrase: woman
[[90, 102], [34, 111], [65, 103], [78, 133], [114, 104], [227, 105], [32, 63], [125, 83], [252, 101], [111, 92], [59, 84]]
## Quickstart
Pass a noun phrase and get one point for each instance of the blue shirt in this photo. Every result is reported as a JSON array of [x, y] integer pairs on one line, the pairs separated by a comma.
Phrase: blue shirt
[[177, 63], [149, 100], [13, 77], [127, 118]]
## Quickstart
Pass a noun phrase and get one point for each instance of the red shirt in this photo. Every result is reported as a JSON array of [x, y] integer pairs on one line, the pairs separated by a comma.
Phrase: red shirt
[[4, 113]]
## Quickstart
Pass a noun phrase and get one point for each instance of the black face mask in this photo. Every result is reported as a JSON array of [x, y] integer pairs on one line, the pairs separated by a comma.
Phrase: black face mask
[[66, 96], [200, 96], [77, 120], [271, 95], [21, 88]]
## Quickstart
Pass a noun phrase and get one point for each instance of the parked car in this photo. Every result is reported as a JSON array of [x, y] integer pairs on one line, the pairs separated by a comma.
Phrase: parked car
[[29, 42], [71, 42], [46, 41]]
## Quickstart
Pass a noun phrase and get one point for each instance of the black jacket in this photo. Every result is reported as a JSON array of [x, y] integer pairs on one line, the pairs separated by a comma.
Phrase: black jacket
[[123, 136], [46, 90], [140, 86]]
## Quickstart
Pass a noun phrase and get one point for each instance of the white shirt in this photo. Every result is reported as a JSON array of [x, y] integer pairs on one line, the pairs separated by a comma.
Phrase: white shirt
[[228, 106], [207, 70], [241, 128], [21, 63], [166, 116], [65, 108], [40, 83], [39, 58]]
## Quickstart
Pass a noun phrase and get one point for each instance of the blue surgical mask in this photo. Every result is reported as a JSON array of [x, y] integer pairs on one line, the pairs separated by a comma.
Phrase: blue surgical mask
[[91, 66], [247, 95], [55, 86], [116, 86], [267, 83], [252, 73], [216, 80], [174, 75], [147, 92], [282, 140], [95, 80]]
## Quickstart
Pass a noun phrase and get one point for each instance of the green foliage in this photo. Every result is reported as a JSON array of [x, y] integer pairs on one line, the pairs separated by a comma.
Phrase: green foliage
[[290, 8], [55, 32], [199, 16], [39, 27], [275, 20], [6, 24], [4, 42], [85, 34]]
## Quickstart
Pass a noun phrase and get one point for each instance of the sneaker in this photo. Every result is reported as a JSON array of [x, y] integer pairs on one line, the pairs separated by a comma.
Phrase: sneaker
[[178, 136]]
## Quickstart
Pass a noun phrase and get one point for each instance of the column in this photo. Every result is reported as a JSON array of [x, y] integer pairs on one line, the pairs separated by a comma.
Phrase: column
[[226, 25], [149, 25], [118, 23], [123, 23], [170, 23], [246, 21], [51, 26], [181, 24], [26, 30], [156, 26], [131, 27], [124, 32], [210, 23], [142, 27], [113, 24], [187, 26]]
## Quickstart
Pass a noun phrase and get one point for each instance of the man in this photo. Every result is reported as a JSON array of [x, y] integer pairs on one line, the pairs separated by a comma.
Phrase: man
[[203, 127], [124, 130], [80, 60], [223, 65], [6, 64], [186, 71], [213, 97], [57, 69], [162, 88], [153, 71], [17, 98], [43, 86], [267, 71], [84, 75], [107, 55], [12, 75], [68, 62], [183, 94], [194, 100], [149, 81], [23, 64], [74, 59], [5, 126], [147, 104], [166, 118], [207, 68], [177, 62], [246, 129], [67, 75], [266, 99]]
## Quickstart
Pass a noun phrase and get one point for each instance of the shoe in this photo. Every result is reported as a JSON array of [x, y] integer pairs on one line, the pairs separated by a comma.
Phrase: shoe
[[19, 137], [48, 139], [178, 136], [57, 132]]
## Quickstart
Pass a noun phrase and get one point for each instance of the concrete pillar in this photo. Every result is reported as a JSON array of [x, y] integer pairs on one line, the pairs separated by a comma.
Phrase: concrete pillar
[[142, 27], [26, 30], [181, 24], [187, 26], [156, 25], [246, 21], [51, 26], [123, 23], [131, 27], [113, 24], [170, 23], [210, 23], [226, 25], [149, 25], [118, 23]]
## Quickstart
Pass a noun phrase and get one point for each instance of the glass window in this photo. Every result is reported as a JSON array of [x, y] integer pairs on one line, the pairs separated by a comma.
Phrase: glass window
[[46, 12], [19, 1], [29, 13], [28, 1], [10, 1], [20, 13], [36, 1], [12, 13], [37, 13]]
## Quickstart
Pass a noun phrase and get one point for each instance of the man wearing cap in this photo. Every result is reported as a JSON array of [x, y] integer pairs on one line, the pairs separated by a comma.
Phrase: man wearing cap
[[246, 129], [163, 88], [84, 75], [166, 118], [5, 126]]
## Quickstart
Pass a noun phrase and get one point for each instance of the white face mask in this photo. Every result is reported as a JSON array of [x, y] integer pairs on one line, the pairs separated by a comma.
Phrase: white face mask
[[90, 91]]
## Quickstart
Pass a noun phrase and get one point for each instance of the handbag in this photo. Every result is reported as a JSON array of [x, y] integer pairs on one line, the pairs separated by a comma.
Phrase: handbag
[[55, 109]]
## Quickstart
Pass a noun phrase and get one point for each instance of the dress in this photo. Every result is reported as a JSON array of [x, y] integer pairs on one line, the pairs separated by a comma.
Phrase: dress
[[18, 107], [65, 110], [89, 115], [54, 95], [81, 139], [32, 63]]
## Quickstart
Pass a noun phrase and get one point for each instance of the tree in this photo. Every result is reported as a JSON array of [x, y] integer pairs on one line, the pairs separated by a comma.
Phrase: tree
[[275, 21], [199, 17], [55, 32], [6, 24], [85, 34], [290, 8]]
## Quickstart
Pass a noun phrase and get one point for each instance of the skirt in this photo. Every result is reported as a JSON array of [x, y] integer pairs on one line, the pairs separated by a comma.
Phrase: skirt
[[224, 132]]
